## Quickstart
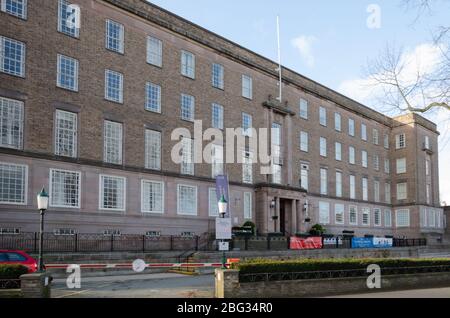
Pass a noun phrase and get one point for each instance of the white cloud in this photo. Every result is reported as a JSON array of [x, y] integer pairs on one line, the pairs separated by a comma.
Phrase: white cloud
[[304, 45]]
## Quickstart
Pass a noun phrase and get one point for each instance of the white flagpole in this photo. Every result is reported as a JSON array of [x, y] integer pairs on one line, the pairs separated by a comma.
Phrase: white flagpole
[[279, 61]]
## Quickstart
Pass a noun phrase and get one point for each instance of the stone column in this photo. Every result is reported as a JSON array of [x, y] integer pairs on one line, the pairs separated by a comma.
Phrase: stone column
[[294, 225], [36, 285], [227, 283]]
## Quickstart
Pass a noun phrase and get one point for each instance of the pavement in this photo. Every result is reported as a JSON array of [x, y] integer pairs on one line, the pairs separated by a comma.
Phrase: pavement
[[417, 293]]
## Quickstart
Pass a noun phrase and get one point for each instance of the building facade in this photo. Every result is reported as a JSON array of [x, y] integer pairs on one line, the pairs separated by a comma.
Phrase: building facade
[[87, 111]]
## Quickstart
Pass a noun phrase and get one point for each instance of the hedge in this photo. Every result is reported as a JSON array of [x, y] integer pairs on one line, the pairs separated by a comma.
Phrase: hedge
[[257, 266], [12, 271]]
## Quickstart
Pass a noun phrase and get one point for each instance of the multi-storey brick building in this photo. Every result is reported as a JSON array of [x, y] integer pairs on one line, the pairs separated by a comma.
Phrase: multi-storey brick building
[[87, 111]]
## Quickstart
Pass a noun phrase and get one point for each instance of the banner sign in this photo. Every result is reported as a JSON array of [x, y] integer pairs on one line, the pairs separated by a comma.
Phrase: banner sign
[[381, 242], [299, 243], [222, 188], [362, 242], [224, 246], [332, 241], [223, 229]]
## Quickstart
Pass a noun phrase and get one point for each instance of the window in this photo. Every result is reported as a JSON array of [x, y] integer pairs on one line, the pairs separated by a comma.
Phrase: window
[[152, 149], [400, 141], [112, 232], [428, 193], [427, 167], [402, 191], [365, 189], [114, 86], [324, 213], [247, 124], [386, 141], [365, 216], [16, 8], [152, 196], [153, 97], [66, 134], [323, 116], [387, 192], [247, 205], [64, 189], [276, 153], [351, 127], [304, 143], [12, 57], [247, 86], [423, 218], [338, 151], [217, 116], [187, 200], [68, 19], [387, 166], [67, 73], [216, 160], [115, 36], [13, 183], [377, 217], [11, 123], [154, 51], [427, 142], [153, 234], [352, 187], [376, 162], [338, 184], [112, 193], [304, 168], [387, 218], [431, 218], [323, 146], [401, 165], [187, 164], [351, 155], [375, 137], [188, 64], [187, 107], [112, 142], [276, 174], [339, 213], [247, 169], [402, 218], [337, 121], [217, 76], [364, 162], [353, 215], [8, 231], [376, 191], [303, 108], [364, 132], [323, 181], [213, 204]]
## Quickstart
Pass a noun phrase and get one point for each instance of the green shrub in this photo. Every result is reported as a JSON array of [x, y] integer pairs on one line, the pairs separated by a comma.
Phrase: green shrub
[[12, 271], [317, 230], [252, 225]]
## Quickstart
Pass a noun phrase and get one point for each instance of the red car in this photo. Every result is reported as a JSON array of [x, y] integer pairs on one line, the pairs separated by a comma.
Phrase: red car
[[18, 257]]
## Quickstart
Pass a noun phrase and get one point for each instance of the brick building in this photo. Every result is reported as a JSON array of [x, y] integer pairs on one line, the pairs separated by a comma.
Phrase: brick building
[[87, 111]]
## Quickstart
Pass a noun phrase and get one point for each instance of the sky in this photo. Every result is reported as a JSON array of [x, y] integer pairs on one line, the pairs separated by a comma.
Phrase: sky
[[331, 42]]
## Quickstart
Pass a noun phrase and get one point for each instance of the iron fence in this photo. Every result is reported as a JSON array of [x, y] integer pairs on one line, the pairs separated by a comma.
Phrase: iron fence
[[9, 283]]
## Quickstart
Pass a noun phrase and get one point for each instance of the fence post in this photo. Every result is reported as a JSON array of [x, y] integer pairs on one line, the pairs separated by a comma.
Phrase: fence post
[[171, 242], [35, 243], [196, 243], [76, 242], [268, 242], [143, 243], [112, 242], [288, 243]]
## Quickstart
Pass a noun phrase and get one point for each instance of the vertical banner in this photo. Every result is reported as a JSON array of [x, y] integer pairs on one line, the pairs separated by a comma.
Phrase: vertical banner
[[222, 189]]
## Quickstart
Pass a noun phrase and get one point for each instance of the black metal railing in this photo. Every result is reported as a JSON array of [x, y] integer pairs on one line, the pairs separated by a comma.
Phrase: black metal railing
[[9, 283]]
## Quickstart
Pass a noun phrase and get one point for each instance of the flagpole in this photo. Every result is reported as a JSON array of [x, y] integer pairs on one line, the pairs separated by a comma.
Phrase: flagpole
[[279, 60]]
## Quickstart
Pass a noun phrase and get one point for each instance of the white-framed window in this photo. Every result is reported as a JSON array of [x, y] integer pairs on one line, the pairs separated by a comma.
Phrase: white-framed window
[[64, 232], [365, 216], [323, 116], [67, 73], [152, 149], [276, 153], [217, 76], [248, 205], [439, 219], [431, 218], [303, 108], [153, 97], [11, 123], [428, 193], [187, 164], [353, 215], [114, 86], [304, 171], [65, 188], [365, 189], [402, 218], [323, 146], [427, 142], [323, 181], [339, 184], [112, 141], [324, 212], [217, 116], [154, 51], [67, 19], [375, 137], [402, 191], [112, 193], [247, 167], [351, 155], [9, 231], [13, 183], [247, 87], [276, 174], [377, 217], [339, 211], [364, 132], [216, 160], [337, 122], [376, 191], [387, 166], [188, 64], [427, 167], [115, 36], [351, 127], [152, 197], [401, 165], [247, 124], [66, 131], [376, 162], [187, 200], [387, 218], [338, 151], [423, 218], [387, 192], [400, 141], [187, 107], [12, 57], [213, 210], [304, 141], [352, 187], [386, 141], [364, 159], [17, 8]]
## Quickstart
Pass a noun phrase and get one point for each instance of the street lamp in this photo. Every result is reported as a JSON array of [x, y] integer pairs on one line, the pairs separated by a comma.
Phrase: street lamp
[[223, 204], [42, 200]]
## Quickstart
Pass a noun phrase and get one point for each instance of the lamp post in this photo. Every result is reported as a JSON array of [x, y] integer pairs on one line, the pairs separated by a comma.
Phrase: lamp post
[[42, 200], [273, 205], [223, 204]]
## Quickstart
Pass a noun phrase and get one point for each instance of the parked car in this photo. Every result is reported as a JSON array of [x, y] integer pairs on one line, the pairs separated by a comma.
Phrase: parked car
[[18, 257]]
